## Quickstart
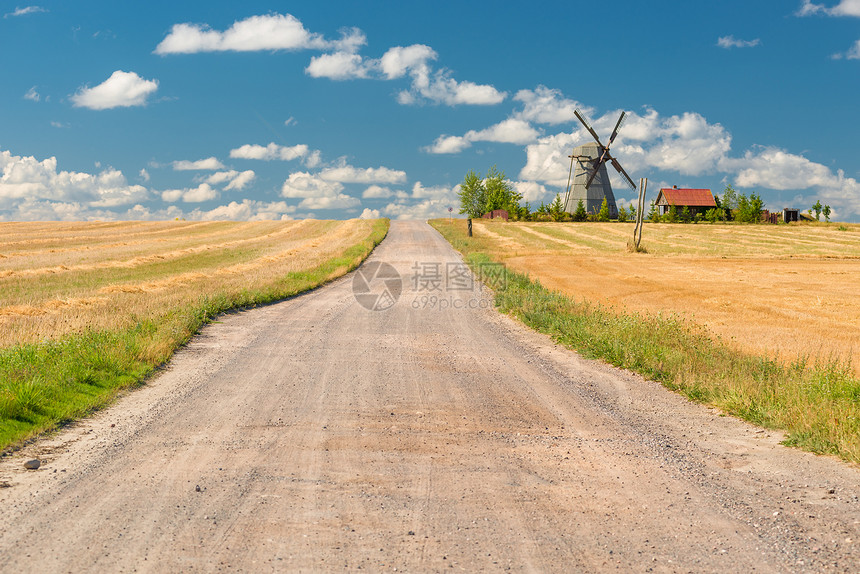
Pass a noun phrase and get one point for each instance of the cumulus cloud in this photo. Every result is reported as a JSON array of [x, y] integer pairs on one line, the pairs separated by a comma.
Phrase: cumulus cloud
[[121, 90], [511, 130], [234, 179], [381, 192], [843, 8], [338, 66], [246, 210], [199, 194], [256, 33], [369, 214], [732, 42], [270, 152], [427, 84], [546, 106], [28, 179], [349, 174], [316, 192], [210, 163]]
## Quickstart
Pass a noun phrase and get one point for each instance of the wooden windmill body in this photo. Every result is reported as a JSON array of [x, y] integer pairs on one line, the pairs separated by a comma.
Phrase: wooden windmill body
[[589, 181]]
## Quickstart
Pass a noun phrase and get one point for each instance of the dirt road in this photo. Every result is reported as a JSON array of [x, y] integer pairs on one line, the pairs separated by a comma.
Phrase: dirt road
[[427, 435]]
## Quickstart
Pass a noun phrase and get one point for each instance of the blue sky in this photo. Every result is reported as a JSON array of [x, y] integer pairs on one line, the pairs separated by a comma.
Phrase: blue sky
[[271, 110]]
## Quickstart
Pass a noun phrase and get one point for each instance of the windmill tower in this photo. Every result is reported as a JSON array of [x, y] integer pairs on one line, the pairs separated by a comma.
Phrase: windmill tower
[[588, 180]]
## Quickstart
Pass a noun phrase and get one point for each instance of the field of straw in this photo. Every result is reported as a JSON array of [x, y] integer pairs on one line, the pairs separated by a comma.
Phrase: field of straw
[[62, 278], [88, 309], [784, 291]]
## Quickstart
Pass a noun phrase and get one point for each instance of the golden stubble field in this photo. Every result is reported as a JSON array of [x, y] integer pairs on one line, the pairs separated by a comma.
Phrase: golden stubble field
[[60, 278], [777, 290]]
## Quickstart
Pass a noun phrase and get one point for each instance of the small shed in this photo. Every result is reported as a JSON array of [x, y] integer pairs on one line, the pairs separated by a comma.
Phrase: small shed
[[496, 214], [695, 200], [790, 214]]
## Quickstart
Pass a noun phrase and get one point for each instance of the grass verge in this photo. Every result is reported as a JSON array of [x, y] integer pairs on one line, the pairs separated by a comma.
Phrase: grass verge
[[817, 404], [46, 384]]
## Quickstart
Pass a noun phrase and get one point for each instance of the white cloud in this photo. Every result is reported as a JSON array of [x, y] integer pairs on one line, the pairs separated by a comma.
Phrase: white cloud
[[241, 181], [844, 8], [379, 192], [777, 169], [400, 60], [256, 33], [24, 11], [27, 179], [349, 174], [247, 210], [435, 86], [531, 191], [121, 90], [728, 42], [423, 210], [440, 192], [338, 66], [143, 174], [304, 185], [448, 144], [369, 214], [853, 53], [61, 125], [210, 163], [270, 152], [32, 95], [290, 121], [511, 130], [546, 106], [199, 194], [233, 179], [316, 192]]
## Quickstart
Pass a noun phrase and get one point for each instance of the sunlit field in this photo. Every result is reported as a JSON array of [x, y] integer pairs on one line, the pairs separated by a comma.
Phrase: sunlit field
[[784, 290], [87, 309]]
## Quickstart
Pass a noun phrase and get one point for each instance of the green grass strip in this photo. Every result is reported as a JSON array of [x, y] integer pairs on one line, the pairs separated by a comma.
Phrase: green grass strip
[[816, 403], [45, 385]]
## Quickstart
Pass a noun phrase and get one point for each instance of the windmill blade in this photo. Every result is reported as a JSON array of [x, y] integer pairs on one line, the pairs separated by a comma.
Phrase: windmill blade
[[617, 127], [596, 169], [588, 127], [623, 173]]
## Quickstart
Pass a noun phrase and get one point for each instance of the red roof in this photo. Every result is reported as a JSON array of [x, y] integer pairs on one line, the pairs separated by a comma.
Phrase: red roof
[[690, 197]]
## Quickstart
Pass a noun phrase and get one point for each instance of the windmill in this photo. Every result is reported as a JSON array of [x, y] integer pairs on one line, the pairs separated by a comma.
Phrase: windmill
[[589, 181]]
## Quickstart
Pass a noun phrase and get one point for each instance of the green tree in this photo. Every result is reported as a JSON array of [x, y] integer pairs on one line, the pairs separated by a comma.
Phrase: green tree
[[730, 201], [826, 211], [653, 214], [685, 215], [633, 212], [501, 193], [817, 209], [622, 213], [556, 209], [580, 214], [672, 215], [603, 214], [473, 195]]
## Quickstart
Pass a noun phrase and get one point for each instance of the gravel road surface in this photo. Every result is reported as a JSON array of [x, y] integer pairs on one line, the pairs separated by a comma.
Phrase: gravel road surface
[[431, 434]]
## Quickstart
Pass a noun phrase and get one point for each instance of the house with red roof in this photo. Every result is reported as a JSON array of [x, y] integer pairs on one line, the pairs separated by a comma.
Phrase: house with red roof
[[695, 200]]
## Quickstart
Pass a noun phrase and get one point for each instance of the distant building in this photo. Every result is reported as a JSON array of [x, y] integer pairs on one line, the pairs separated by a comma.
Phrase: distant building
[[496, 214], [790, 214], [695, 200]]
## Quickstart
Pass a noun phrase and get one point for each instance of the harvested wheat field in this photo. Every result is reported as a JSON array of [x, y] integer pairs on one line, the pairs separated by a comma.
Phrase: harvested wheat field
[[788, 290], [62, 278]]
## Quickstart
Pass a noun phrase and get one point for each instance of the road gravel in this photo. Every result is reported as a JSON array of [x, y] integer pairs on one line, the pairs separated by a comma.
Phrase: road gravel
[[429, 435]]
